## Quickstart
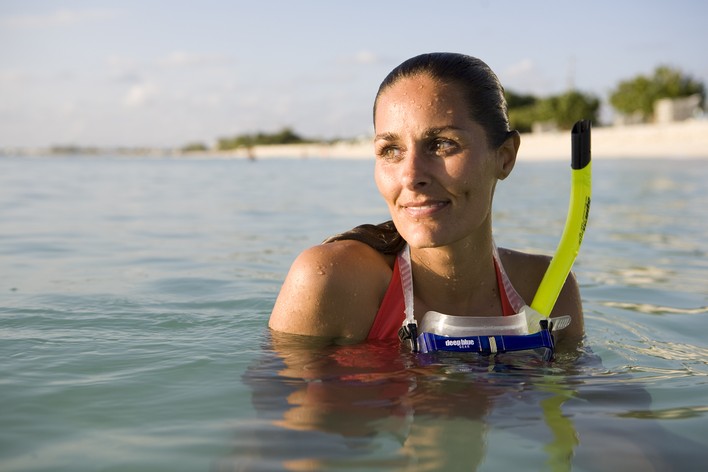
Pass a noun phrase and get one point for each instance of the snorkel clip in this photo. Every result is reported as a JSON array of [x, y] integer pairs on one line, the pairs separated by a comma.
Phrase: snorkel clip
[[409, 331]]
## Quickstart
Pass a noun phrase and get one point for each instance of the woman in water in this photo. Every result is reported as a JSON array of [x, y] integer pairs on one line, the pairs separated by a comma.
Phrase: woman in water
[[442, 141]]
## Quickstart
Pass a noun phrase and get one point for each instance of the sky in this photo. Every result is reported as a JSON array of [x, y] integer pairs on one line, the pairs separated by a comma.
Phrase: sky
[[167, 73]]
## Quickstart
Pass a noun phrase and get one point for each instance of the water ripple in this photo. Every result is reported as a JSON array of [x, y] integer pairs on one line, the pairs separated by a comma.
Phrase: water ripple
[[680, 413], [657, 309]]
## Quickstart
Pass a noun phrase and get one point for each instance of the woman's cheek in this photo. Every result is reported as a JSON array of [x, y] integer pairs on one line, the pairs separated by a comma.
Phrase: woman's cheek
[[385, 183]]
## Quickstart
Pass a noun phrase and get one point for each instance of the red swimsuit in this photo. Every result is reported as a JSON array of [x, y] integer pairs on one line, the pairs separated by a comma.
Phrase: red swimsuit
[[391, 313]]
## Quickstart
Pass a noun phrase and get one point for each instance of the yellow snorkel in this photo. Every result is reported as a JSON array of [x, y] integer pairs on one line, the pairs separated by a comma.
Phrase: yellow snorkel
[[569, 245]]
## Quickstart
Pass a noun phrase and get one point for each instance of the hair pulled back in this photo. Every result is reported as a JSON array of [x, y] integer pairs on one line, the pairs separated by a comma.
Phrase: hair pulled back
[[484, 94]]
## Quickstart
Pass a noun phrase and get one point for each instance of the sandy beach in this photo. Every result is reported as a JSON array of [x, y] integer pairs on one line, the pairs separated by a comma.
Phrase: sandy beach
[[682, 140]]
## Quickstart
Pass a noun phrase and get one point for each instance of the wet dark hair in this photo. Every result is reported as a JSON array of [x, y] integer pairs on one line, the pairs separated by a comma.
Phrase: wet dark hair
[[485, 100], [383, 237], [484, 94]]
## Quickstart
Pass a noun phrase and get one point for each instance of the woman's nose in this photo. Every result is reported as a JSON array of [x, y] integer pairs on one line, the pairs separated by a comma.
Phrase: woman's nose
[[416, 168]]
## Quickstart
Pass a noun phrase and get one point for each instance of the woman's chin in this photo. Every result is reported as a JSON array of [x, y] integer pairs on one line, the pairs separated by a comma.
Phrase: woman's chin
[[423, 239]]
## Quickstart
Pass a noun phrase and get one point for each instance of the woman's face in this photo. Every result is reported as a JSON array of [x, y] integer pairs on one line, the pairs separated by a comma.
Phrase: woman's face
[[434, 166]]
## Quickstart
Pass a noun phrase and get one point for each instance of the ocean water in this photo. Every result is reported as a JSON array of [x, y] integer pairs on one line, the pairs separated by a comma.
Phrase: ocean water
[[135, 294]]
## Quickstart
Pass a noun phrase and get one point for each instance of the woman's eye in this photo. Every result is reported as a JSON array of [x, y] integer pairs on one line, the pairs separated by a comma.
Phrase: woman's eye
[[443, 147], [389, 153]]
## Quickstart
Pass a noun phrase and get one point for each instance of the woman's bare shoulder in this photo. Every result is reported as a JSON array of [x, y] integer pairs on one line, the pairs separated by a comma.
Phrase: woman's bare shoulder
[[526, 271], [332, 290]]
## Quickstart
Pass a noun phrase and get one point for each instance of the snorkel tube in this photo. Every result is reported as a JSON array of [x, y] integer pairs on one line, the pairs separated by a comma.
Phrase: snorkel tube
[[575, 223]]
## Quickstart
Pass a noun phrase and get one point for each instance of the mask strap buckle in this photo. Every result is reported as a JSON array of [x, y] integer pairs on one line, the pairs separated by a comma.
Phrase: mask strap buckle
[[409, 331]]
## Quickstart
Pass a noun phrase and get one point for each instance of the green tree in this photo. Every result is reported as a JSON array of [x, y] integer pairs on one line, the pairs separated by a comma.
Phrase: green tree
[[284, 136], [522, 110], [195, 147], [561, 110], [516, 100], [638, 95], [573, 106], [287, 136], [523, 118]]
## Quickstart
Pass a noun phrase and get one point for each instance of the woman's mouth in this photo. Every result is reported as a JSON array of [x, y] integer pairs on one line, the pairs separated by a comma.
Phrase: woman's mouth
[[424, 209]]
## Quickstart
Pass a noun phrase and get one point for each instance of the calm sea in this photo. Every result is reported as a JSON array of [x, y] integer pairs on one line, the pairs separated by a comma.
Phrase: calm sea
[[135, 293]]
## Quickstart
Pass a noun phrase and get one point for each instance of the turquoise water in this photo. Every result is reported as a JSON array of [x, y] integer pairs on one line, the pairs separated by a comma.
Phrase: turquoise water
[[134, 297]]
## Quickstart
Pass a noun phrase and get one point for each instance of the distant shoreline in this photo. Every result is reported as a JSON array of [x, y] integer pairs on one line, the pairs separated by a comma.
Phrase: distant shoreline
[[680, 140]]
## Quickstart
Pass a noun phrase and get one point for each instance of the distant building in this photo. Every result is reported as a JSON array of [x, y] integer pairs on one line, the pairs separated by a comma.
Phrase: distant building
[[668, 110]]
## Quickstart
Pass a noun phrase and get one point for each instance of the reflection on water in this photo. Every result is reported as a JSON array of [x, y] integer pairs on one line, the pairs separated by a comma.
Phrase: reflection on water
[[378, 407], [373, 402]]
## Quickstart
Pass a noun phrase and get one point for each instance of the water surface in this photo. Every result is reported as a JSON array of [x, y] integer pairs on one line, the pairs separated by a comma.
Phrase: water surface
[[134, 297]]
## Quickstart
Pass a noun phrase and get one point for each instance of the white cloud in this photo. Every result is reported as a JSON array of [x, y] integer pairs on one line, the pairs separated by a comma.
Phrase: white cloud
[[60, 18], [520, 69], [526, 77], [366, 57], [363, 57], [140, 95]]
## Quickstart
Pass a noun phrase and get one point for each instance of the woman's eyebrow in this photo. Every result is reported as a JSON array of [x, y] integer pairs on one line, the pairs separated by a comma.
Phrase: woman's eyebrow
[[386, 137], [430, 132], [436, 131]]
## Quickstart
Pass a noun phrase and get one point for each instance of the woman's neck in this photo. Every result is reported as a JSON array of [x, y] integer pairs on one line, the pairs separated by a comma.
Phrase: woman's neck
[[459, 279]]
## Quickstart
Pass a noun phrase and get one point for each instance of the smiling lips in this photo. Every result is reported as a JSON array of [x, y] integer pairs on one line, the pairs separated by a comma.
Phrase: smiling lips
[[425, 208]]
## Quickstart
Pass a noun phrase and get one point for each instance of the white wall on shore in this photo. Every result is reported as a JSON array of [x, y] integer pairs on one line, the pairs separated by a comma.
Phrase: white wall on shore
[[687, 139]]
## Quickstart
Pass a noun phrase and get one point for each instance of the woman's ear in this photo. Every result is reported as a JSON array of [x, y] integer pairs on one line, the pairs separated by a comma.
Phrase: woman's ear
[[506, 154]]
